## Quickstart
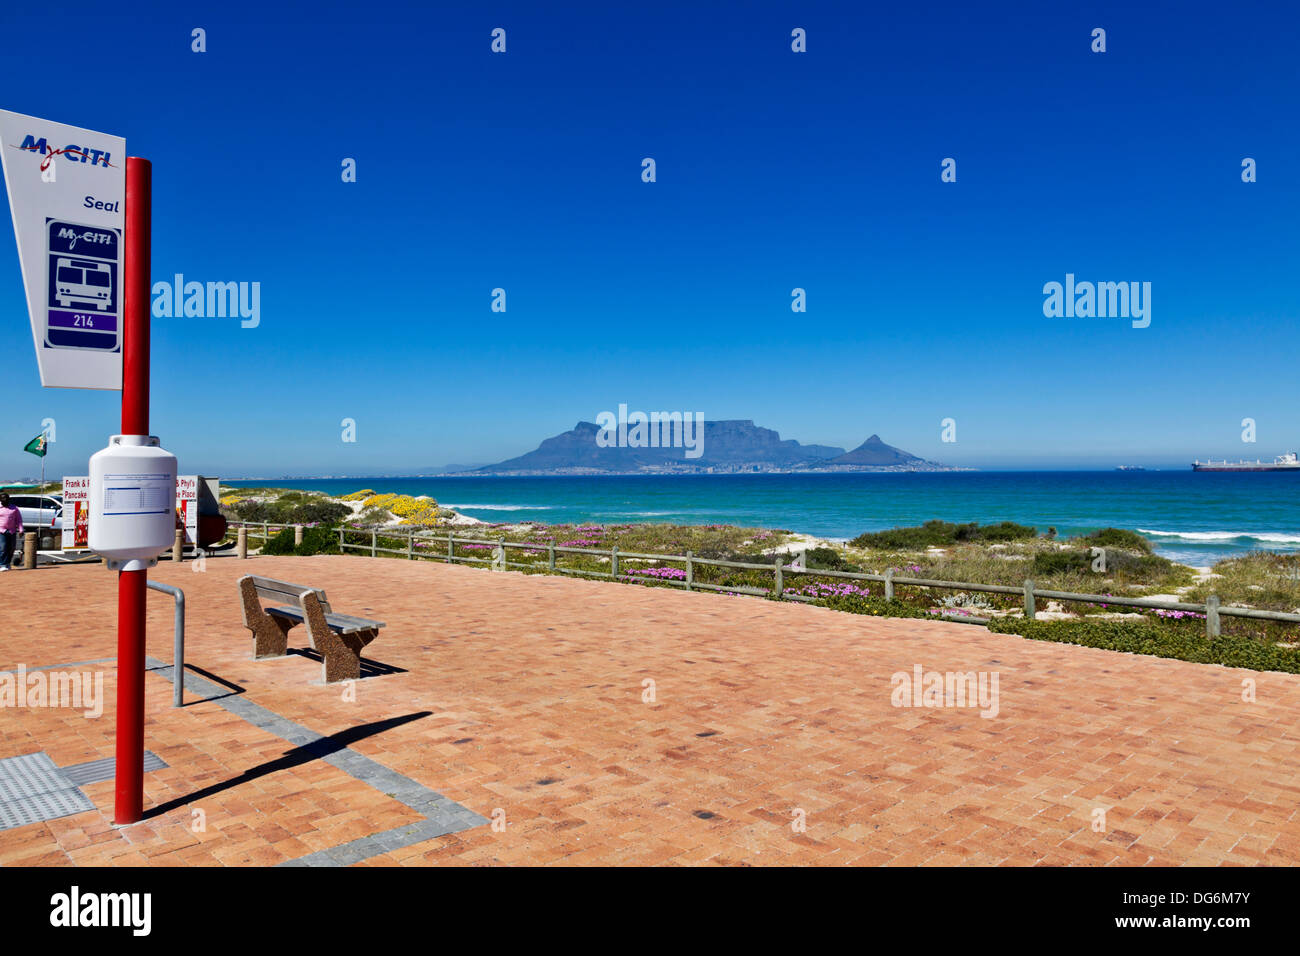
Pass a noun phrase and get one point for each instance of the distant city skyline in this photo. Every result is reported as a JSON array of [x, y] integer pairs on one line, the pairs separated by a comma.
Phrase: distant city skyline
[[775, 171]]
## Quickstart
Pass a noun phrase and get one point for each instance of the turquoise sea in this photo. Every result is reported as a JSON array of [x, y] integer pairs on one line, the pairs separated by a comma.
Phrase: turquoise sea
[[1196, 518]]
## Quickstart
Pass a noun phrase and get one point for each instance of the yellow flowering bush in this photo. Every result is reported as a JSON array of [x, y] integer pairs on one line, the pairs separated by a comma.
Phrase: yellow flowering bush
[[422, 510], [358, 495]]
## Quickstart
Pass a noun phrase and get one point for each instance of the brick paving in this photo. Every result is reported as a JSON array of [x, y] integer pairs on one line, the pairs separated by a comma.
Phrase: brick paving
[[522, 698]]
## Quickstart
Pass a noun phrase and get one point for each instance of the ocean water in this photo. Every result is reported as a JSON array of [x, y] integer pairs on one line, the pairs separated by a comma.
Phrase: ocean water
[[1196, 518]]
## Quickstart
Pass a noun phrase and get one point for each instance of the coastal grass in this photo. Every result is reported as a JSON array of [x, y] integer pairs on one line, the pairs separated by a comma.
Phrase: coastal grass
[[729, 542], [1261, 579], [1050, 565], [1179, 639], [1008, 554]]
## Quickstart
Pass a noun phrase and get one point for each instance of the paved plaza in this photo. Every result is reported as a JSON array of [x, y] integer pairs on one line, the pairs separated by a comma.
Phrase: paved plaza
[[512, 719]]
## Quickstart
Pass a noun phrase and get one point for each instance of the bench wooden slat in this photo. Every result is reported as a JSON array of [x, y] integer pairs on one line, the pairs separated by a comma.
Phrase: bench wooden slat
[[338, 622], [268, 587], [353, 621]]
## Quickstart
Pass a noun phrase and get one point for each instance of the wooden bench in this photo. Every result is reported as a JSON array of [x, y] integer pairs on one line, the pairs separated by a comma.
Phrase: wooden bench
[[339, 638]]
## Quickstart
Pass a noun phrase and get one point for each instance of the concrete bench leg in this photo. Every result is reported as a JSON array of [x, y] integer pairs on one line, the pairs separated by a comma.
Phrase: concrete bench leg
[[341, 655], [271, 637]]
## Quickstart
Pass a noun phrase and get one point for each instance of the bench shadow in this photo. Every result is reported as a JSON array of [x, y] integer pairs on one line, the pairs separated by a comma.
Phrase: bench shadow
[[369, 668], [316, 750]]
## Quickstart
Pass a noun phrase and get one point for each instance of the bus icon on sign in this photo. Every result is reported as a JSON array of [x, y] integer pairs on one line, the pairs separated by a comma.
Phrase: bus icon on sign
[[82, 281], [83, 284]]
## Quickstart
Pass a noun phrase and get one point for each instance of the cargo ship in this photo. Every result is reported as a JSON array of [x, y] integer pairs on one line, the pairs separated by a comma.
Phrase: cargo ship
[[1287, 462]]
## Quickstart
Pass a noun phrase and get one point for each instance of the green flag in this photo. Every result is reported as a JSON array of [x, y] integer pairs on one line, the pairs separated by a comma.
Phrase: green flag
[[36, 446]]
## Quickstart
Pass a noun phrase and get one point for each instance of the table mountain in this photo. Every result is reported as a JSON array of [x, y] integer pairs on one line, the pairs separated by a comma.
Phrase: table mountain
[[729, 446]]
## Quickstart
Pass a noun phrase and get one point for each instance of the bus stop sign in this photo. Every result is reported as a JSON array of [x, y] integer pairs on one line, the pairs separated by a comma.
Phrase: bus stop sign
[[67, 193]]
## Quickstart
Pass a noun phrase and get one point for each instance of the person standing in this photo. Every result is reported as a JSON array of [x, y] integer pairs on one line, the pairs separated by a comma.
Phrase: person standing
[[11, 526]]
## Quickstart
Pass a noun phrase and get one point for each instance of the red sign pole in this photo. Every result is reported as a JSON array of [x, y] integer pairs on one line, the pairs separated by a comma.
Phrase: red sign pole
[[131, 585]]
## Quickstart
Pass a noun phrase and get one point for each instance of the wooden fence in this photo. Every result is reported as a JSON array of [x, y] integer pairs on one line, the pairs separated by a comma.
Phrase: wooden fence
[[1212, 609]]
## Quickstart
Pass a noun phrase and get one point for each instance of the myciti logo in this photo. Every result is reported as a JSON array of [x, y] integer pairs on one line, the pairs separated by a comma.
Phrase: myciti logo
[[75, 153], [71, 236]]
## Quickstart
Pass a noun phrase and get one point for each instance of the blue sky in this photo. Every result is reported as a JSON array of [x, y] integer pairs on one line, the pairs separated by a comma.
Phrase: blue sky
[[775, 170]]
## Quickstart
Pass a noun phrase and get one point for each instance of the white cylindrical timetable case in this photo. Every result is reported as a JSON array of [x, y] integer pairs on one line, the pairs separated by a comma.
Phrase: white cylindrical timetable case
[[132, 502]]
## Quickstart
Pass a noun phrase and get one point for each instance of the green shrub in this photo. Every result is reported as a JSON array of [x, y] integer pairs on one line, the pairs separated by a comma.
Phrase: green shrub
[[318, 540], [1125, 568], [1173, 639], [930, 534], [319, 512], [1117, 538], [1002, 531], [828, 559], [938, 533], [314, 541], [281, 543]]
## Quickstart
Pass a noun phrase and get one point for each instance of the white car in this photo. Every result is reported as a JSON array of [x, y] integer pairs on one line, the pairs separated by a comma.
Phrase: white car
[[42, 514]]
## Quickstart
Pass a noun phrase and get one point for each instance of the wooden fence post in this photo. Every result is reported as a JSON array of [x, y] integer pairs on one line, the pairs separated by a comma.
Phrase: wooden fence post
[[613, 562], [341, 539], [690, 571], [374, 544], [889, 584], [780, 580], [451, 548], [297, 535], [266, 532], [1029, 600], [241, 541], [1212, 626], [550, 556]]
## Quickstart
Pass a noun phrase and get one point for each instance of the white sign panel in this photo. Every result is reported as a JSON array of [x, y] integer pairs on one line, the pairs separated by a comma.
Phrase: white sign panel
[[67, 193], [76, 513], [187, 507]]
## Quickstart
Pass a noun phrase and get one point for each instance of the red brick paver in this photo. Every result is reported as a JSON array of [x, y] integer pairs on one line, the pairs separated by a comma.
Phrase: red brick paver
[[764, 715]]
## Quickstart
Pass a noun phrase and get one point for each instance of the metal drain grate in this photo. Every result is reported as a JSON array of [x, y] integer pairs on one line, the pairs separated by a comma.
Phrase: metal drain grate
[[32, 789], [97, 771]]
